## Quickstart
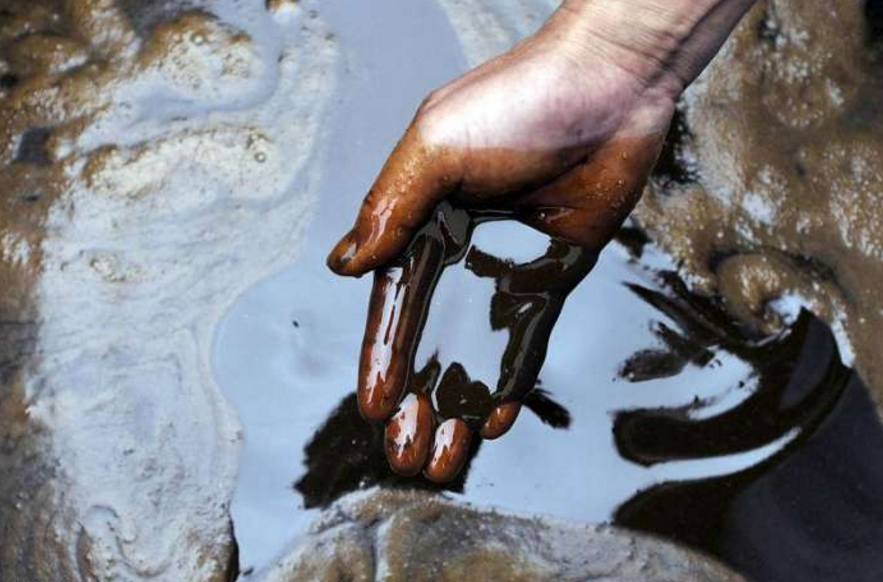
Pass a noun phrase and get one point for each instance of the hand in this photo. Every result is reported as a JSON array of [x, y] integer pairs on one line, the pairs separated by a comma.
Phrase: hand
[[566, 144], [563, 129], [561, 143]]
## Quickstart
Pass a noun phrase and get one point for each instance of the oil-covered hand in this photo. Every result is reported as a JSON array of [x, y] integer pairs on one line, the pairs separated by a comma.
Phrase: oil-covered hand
[[561, 132], [565, 143], [525, 134]]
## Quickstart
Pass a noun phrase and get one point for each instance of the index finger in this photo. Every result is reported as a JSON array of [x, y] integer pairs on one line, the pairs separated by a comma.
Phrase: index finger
[[414, 179]]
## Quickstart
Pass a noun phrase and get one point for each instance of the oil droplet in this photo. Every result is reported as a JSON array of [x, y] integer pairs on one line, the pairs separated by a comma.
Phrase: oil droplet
[[198, 39], [260, 157]]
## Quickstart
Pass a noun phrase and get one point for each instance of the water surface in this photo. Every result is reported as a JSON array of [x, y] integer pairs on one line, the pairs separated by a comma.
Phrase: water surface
[[660, 412]]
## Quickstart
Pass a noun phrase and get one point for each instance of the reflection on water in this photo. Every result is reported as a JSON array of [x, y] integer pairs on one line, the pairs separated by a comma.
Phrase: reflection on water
[[811, 511], [796, 379], [330, 475]]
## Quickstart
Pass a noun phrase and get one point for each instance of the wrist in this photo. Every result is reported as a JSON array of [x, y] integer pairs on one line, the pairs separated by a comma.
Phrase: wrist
[[664, 44]]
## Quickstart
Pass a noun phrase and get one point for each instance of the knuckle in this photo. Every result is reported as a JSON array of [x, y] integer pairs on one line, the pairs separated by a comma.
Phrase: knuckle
[[426, 122], [429, 102]]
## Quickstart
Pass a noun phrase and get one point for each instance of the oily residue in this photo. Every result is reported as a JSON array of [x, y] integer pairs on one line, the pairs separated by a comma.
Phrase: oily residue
[[526, 303], [812, 513], [797, 378], [809, 511], [782, 151], [303, 430]]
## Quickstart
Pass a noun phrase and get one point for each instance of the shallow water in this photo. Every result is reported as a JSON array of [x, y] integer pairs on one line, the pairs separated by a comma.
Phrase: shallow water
[[725, 438]]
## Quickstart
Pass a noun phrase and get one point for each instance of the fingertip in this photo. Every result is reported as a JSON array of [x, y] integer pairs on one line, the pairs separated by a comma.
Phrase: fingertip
[[408, 435], [340, 260], [384, 364], [500, 420], [355, 255], [374, 410], [379, 393], [449, 450], [413, 181]]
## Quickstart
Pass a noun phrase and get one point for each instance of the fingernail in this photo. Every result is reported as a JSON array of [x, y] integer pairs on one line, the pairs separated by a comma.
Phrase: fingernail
[[500, 420], [343, 253], [408, 435], [449, 450]]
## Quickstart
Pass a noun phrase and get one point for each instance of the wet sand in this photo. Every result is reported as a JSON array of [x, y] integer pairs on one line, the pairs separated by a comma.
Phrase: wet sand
[[415, 536]]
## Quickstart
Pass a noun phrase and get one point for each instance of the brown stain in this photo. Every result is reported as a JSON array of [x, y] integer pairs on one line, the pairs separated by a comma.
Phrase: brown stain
[[408, 234], [500, 420], [527, 303], [396, 313]]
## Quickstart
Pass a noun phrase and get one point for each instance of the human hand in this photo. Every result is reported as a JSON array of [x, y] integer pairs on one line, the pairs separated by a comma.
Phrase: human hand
[[563, 129], [578, 191], [565, 143], [561, 133]]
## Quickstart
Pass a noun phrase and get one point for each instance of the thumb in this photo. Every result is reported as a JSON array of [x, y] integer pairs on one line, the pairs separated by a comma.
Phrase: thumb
[[413, 181]]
